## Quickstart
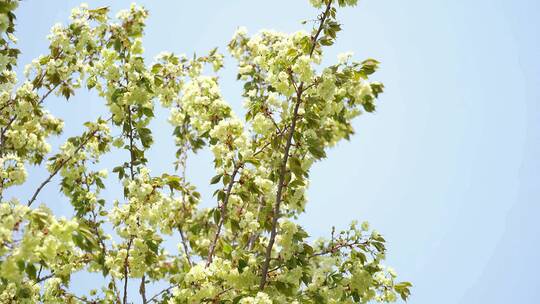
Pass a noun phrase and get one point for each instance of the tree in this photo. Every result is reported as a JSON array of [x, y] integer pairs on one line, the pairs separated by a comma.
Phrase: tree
[[246, 249]]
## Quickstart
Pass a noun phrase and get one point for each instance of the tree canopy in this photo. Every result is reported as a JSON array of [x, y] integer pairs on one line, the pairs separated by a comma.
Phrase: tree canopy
[[248, 247]]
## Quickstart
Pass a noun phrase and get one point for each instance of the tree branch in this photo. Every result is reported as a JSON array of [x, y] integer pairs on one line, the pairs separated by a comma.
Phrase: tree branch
[[182, 163], [126, 264], [59, 166], [132, 175], [223, 215], [184, 244], [39, 280], [154, 298], [338, 246], [142, 289], [283, 169], [277, 205]]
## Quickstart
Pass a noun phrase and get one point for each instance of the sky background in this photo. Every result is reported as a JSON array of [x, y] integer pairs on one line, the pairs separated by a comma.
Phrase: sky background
[[447, 169]]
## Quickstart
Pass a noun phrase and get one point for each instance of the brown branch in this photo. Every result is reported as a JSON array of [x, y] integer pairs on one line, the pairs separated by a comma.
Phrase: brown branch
[[126, 264], [338, 246], [39, 280], [80, 299], [252, 238], [154, 298], [49, 92], [223, 215], [321, 25], [283, 169], [142, 289], [184, 244], [332, 249], [216, 297], [95, 227], [58, 167], [132, 175], [277, 205], [183, 161]]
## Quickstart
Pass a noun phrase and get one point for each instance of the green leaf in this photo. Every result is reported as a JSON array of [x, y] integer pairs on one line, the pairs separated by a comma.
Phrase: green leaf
[[227, 249], [226, 179], [152, 245], [317, 151], [296, 166], [326, 41], [403, 288], [241, 265], [31, 271], [217, 215], [156, 68], [148, 112], [216, 179], [253, 161]]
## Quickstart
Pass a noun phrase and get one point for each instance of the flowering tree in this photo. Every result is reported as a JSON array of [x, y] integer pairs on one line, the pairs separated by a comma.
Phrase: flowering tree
[[246, 249]]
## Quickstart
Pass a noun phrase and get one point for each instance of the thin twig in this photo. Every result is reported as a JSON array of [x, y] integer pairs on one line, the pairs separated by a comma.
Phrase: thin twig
[[184, 240], [338, 246], [58, 167], [184, 243], [45, 278], [126, 267], [154, 298], [223, 215]]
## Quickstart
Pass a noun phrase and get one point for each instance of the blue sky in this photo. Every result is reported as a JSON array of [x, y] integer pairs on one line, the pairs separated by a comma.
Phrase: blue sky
[[448, 167]]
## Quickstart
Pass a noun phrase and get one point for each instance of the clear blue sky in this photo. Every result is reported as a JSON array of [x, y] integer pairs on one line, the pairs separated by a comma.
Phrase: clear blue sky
[[448, 167]]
